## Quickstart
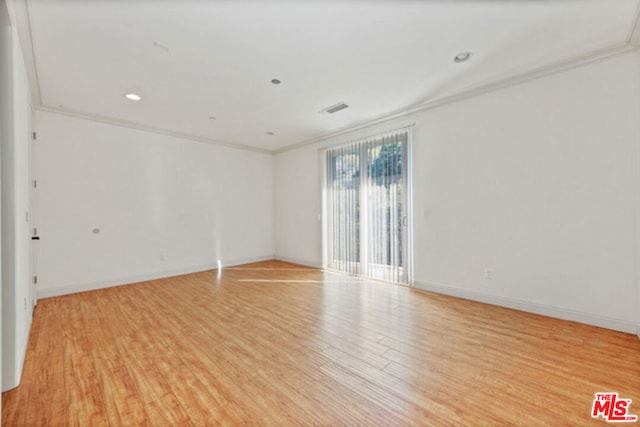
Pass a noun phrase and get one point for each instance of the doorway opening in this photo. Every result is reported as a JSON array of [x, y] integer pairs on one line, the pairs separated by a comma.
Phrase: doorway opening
[[366, 208]]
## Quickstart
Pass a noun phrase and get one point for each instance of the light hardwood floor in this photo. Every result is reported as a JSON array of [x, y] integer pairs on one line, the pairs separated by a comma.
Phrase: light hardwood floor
[[277, 344]]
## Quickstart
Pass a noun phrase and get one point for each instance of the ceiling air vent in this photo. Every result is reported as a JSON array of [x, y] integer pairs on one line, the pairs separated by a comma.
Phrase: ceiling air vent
[[335, 108]]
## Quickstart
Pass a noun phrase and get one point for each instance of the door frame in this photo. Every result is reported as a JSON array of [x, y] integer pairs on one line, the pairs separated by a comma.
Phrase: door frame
[[33, 212], [407, 208]]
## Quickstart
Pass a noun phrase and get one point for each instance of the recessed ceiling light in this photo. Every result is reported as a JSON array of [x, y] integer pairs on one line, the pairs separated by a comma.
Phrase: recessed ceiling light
[[462, 56], [270, 133], [132, 96], [275, 81]]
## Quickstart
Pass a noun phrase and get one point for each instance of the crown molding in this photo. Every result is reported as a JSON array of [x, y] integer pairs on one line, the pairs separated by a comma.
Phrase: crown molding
[[152, 129], [19, 14], [634, 33], [558, 67]]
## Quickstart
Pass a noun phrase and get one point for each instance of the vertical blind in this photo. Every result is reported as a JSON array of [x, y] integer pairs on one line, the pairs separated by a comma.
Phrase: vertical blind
[[366, 207]]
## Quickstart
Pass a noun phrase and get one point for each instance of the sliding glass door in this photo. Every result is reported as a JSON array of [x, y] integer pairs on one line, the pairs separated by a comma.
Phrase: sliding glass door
[[366, 195]]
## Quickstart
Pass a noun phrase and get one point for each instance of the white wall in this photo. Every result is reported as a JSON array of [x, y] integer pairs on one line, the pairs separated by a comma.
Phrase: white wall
[[537, 182], [298, 204], [163, 205]]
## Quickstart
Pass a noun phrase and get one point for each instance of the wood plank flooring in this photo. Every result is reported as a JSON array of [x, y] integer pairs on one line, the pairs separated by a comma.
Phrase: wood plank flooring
[[277, 344]]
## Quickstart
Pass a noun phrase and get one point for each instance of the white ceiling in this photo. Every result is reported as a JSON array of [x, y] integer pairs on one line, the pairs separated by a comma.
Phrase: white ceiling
[[217, 58]]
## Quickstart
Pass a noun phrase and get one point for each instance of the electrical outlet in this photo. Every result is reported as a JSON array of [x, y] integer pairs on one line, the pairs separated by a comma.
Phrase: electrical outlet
[[488, 273]]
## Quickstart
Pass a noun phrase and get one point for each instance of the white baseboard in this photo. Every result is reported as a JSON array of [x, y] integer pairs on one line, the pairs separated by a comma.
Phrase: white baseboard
[[23, 351], [243, 261], [314, 264], [108, 283], [559, 313]]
